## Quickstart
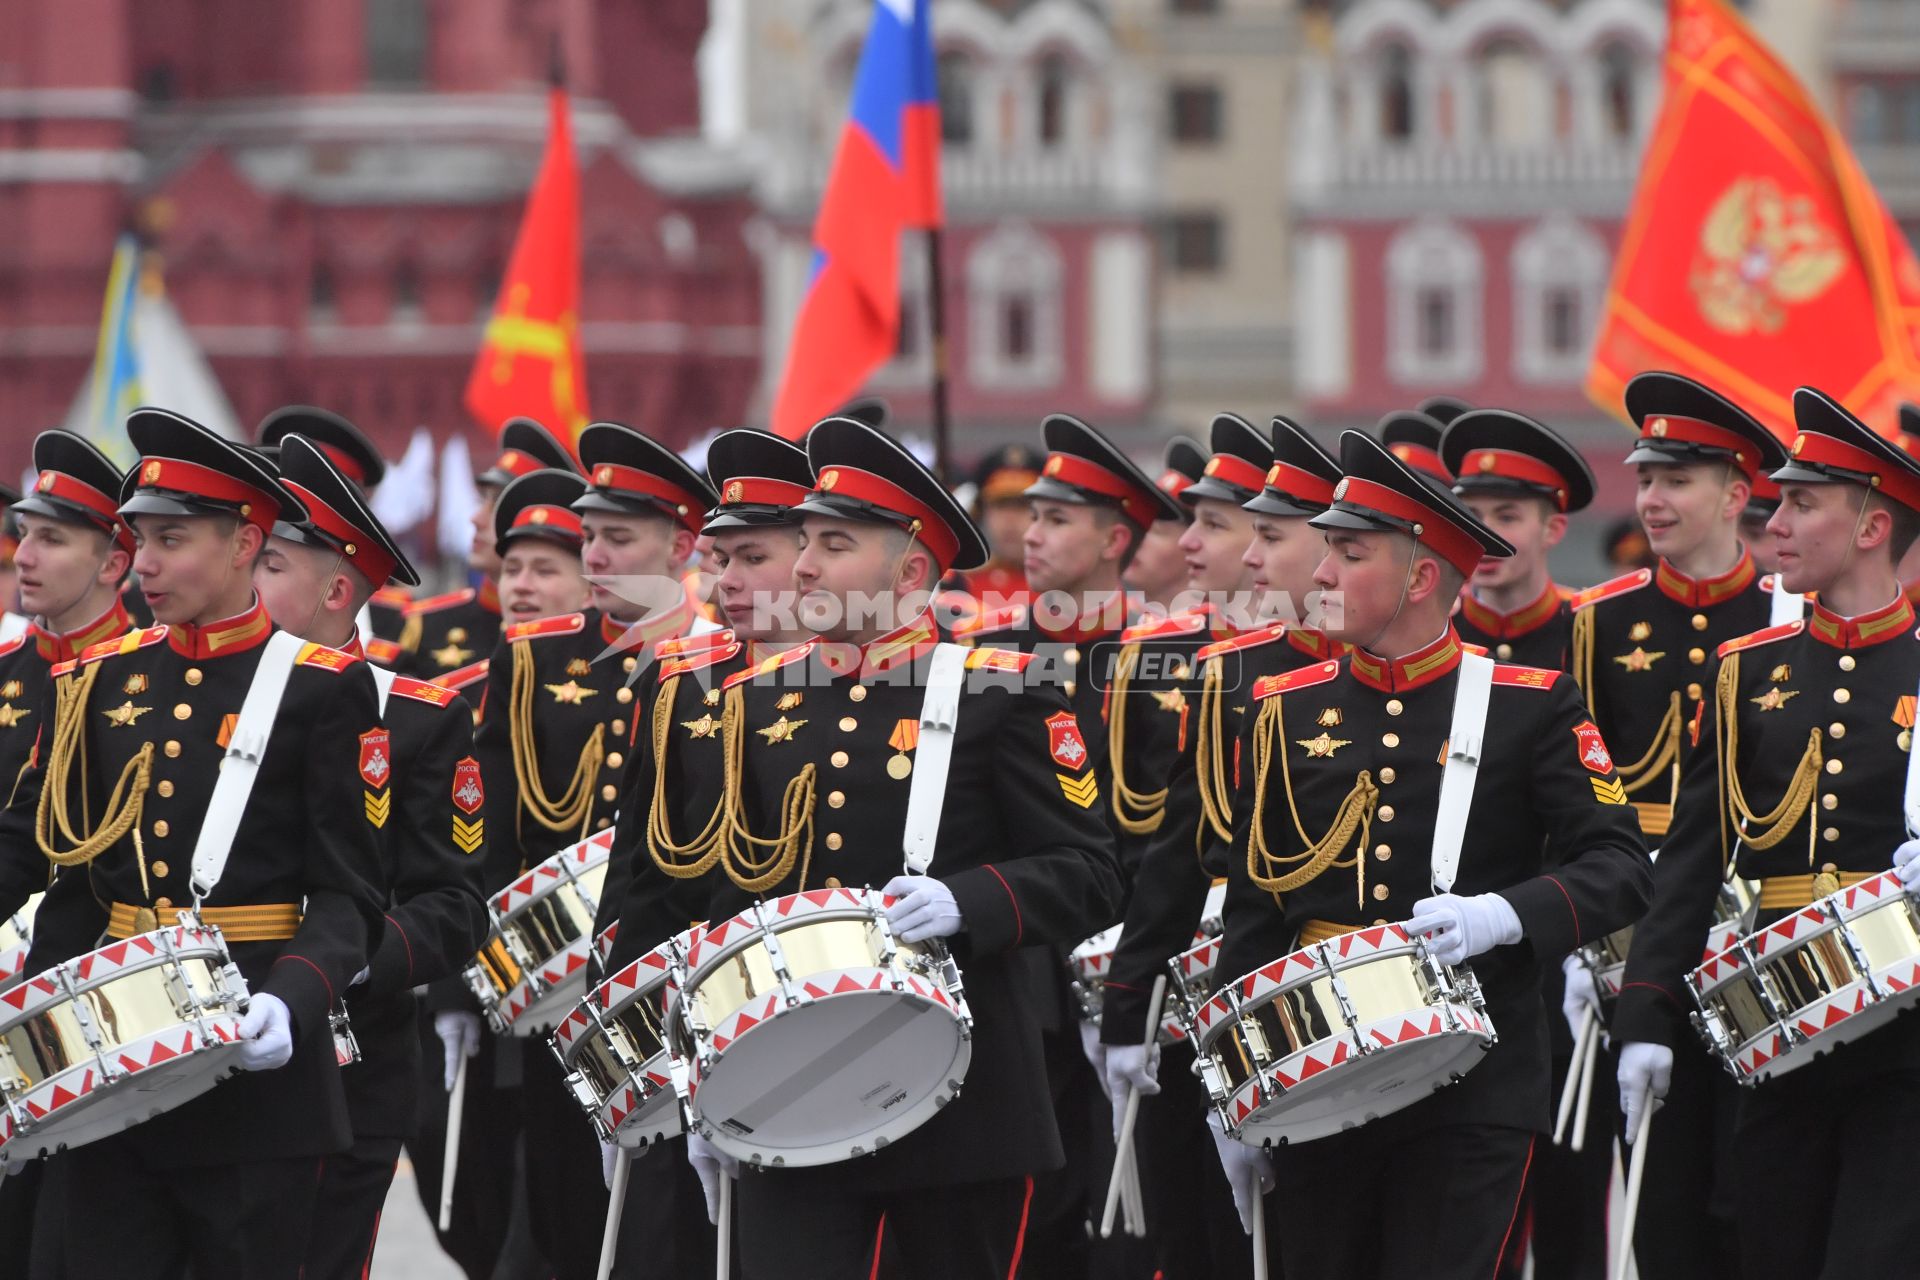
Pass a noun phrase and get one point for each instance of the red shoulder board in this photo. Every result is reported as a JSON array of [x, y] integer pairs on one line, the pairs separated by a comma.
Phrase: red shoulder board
[[1766, 635], [15, 643], [1246, 640], [1565, 593], [64, 668], [392, 597], [1477, 650], [1000, 619], [681, 646], [318, 655], [774, 663], [385, 652], [422, 691], [125, 644], [564, 624], [1524, 677], [472, 673], [1287, 682], [1613, 587], [1180, 624], [700, 660], [433, 604], [998, 660]]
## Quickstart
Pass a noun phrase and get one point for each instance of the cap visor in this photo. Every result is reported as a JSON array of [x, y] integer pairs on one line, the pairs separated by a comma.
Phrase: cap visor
[[1268, 503], [1346, 518], [1218, 490]]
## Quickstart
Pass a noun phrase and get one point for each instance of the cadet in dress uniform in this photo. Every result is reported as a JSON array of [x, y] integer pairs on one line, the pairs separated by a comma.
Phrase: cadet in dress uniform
[[422, 795], [1641, 648], [450, 633], [1001, 506], [1022, 858], [1414, 437], [223, 1184], [1761, 504], [671, 817], [1796, 782], [1188, 1197], [1339, 837], [1159, 572]]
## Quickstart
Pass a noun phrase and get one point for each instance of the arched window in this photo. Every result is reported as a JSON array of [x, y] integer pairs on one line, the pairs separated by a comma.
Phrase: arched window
[[1014, 322], [956, 99], [1396, 93], [1434, 285], [1619, 91], [1516, 95], [1559, 272], [1054, 93]]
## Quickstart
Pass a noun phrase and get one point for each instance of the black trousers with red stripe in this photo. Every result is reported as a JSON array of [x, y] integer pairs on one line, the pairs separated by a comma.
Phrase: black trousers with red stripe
[[800, 1225], [1379, 1203], [346, 1215]]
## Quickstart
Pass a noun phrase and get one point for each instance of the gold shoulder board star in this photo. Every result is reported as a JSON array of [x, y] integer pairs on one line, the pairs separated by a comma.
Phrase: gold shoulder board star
[[1171, 700], [704, 727], [781, 730], [1322, 746], [1639, 659], [452, 656], [1774, 698], [124, 714], [11, 715], [571, 692]]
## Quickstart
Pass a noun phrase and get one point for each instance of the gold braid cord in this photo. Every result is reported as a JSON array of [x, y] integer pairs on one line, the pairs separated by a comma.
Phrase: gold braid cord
[[410, 630], [1209, 759], [1139, 813], [122, 813], [681, 859], [573, 811], [1354, 815], [1582, 653], [1663, 753], [745, 867], [1775, 826]]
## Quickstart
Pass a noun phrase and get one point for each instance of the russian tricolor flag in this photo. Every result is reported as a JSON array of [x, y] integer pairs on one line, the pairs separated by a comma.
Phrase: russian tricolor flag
[[885, 180]]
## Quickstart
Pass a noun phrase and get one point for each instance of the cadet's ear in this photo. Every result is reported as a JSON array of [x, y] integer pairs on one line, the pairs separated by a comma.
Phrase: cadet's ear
[[247, 542]]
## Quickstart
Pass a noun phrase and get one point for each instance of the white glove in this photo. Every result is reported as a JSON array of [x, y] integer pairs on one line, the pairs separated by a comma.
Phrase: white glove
[[459, 1033], [360, 977], [1906, 864], [1646, 1070], [1096, 1053], [1460, 928], [609, 1156], [1583, 992], [923, 908], [1131, 1066], [1249, 1172], [711, 1164], [266, 1034]]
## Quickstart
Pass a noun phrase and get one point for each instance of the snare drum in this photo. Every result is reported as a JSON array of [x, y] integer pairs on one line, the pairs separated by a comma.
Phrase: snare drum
[[1732, 916], [16, 938], [114, 1037], [533, 969], [1337, 1034], [1091, 962], [613, 1048], [810, 1034], [1821, 977]]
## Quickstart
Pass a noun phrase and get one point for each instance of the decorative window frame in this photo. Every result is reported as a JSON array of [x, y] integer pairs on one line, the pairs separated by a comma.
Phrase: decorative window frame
[[1435, 253]]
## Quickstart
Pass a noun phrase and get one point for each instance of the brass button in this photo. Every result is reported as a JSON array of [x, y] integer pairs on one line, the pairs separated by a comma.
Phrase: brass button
[[163, 904], [1699, 622], [1072, 657], [1389, 739], [1836, 730], [164, 787], [628, 664], [615, 759], [172, 749], [835, 799], [161, 828], [1847, 663], [181, 711], [1696, 656], [618, 727], [848, 724], [1380, 921], [160, 869], [456, 635], [858, 693], [1387, 774], [1394, 707], [603, 824], [1070, 687], [833, 840], [1830, 835], [1503, 651], [1693, 691], [609, 792], [1829, 801], [194, 675], [1380, 893], [623, 694], [833, 882], [1382, 852], [838, 759], [1833, 766], [1386, 813], [1842, 696]]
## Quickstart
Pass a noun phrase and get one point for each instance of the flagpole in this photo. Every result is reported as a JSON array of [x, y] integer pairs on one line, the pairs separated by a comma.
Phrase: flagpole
[[937, 335]]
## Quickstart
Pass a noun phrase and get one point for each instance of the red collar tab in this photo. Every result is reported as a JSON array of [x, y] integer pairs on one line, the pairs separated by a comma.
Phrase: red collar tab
[[1315, 643], [223, 638], [1084, 473], [1811, 449], [667, 624], [489, 597], [1231, 468], [685, 508], [1886, 623], [1698, 593], [896, 648], [176, 475], [1509, 465], [864, 486], [1511, 626], [516, 463], [1421, 458], [365, 554], [1300, 484], [111, 625], [1667, 426], [761, 491], [76, 492], [1454, 544], [1421, 667], [353, 647]]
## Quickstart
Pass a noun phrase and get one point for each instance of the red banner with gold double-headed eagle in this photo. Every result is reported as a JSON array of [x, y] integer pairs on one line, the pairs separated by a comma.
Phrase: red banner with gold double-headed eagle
[[1756, 258]]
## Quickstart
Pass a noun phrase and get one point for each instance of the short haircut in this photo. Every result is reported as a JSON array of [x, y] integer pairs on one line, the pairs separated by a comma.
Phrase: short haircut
[[1104, 517], [1906, 523]]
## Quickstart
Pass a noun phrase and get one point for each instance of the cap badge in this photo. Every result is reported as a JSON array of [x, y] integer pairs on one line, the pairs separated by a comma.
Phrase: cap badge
[[603, 475], [1401, 452], [46, 481], [150, 474], [538, 516], [1273, 475], [1658, 428], [1340, 490], [734, 490], [1053, 465], [1213, 465], [828, 479], [1486, 462], [510, 460], [1799, 443]]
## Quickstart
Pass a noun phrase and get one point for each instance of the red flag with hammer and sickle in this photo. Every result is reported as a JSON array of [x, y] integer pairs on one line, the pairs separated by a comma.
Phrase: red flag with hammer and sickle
[[1757, 258], [530, 363]]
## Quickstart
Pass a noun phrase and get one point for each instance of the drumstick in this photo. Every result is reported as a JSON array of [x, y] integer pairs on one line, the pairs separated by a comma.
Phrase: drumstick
[[1586, 1087], [723, 1263], [1124, 1143], [1580, 1050], [1133, 1210], [616, 1201], [1259, 1230], [1634, 1178], [450, 1159]]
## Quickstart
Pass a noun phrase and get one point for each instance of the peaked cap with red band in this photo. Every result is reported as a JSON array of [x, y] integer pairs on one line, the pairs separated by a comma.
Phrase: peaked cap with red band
[[1443, 409], [1834, 447], [760, 478], [540, 506], [1379, 493], [76, 485], [1186, 461], [187, 470], [1085, 468], [526, 447], [1495, 451], [338, 518], [862, 474], [632, 474], [1301, 480], [1413, 436], [1237, 467], [352, 454], [1684, 421]]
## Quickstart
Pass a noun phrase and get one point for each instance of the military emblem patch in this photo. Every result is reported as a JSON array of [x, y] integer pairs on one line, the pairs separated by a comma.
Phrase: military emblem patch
[[376, 758], [1593, 748], [1064, 742], [468, 792]]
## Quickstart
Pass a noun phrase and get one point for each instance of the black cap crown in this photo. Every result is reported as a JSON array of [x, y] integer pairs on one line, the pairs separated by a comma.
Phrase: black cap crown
[[526, 447], [1413, 436], [1300, 482], [187, 470], [1497, 451], [633, 474], [1380, 493], [1084, 467], [861, 474], [338, 518], [759, 476], [76, 485], [1683, 421], [1237, 467], [352, 453], [539, 505]]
